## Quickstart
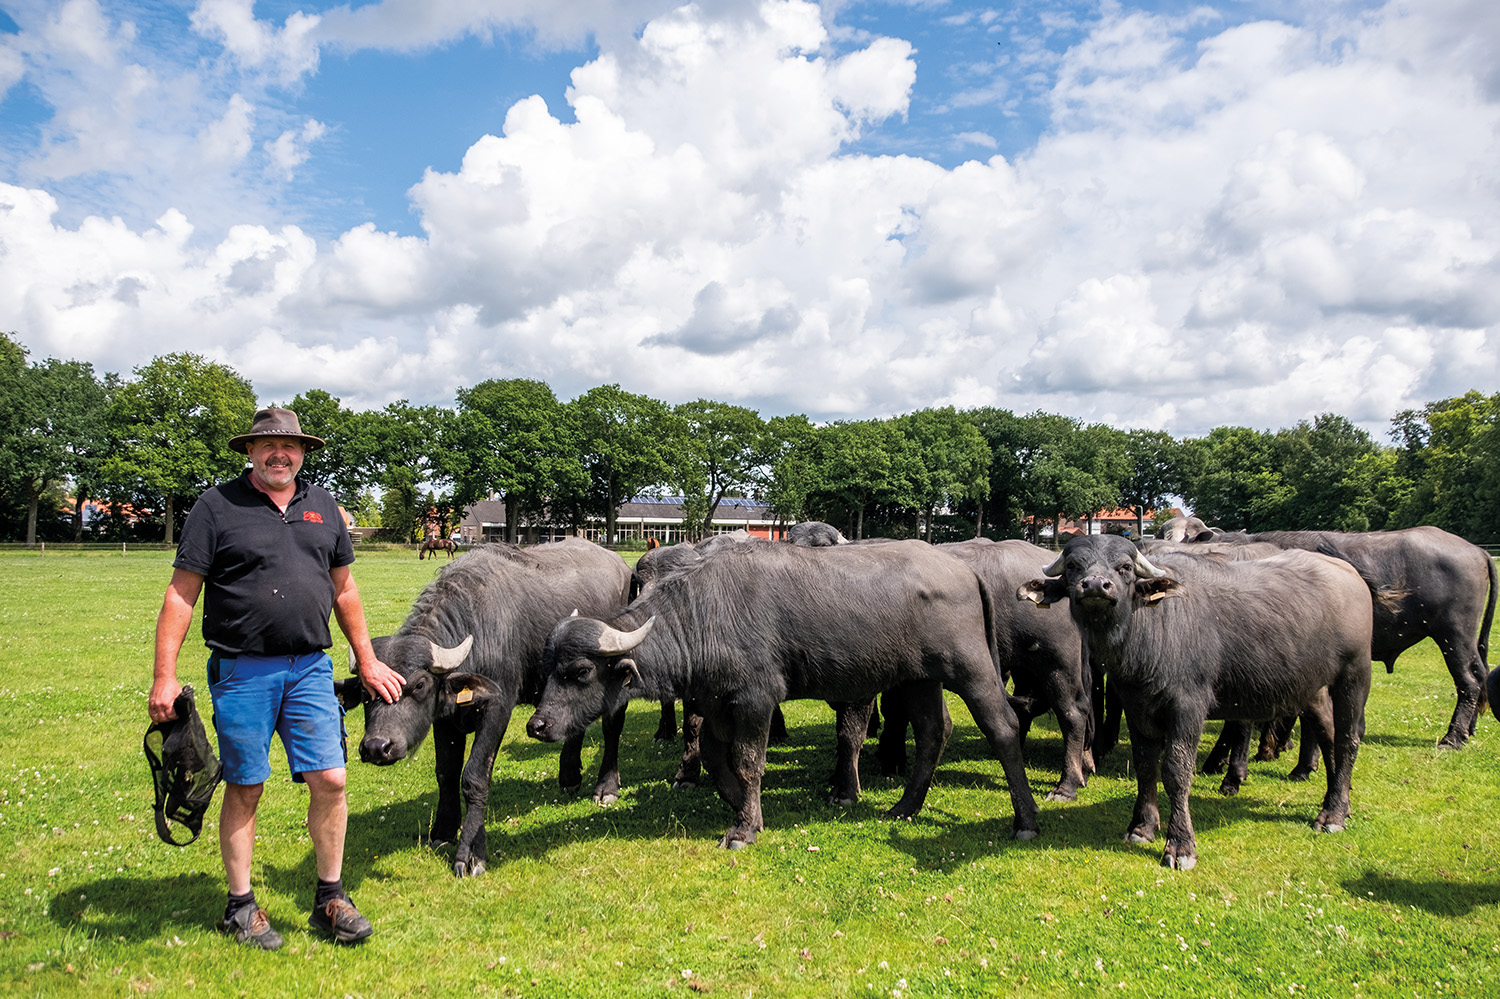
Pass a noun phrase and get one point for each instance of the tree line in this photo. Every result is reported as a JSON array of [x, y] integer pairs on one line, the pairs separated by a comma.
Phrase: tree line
[[142, 448]]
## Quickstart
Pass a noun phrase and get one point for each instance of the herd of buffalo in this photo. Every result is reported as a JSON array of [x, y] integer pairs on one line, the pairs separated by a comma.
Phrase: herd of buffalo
[[1193, 625]]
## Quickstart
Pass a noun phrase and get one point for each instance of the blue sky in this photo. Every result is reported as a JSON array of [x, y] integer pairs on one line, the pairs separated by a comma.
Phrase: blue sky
[[1161, 214]]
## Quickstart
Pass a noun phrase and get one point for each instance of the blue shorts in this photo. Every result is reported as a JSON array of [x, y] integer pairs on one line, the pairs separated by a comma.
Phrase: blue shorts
[[292, 696]]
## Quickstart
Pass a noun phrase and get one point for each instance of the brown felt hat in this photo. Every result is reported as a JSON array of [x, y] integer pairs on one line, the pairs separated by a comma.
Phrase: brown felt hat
[[274, 422]]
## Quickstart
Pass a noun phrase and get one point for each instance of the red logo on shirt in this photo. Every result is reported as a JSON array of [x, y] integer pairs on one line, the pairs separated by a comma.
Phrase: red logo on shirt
[[312, 515]]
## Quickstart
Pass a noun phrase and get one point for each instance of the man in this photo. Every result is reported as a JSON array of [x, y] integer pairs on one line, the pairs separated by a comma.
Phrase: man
[[275, 556]]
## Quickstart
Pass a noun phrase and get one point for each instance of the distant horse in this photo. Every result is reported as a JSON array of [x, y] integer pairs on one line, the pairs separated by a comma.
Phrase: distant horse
[[436, 545], [652, 543]]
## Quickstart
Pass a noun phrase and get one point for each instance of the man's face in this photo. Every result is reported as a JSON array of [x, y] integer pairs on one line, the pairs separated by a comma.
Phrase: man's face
[[275, 461]]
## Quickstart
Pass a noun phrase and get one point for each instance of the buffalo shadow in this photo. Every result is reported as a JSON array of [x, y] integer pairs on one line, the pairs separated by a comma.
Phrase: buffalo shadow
[[1434, 896]]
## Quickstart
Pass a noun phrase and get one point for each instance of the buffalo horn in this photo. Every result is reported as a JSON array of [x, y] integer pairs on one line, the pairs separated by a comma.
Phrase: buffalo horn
[[448, 660], [613, 642], [1055, 569], [1143, 567]]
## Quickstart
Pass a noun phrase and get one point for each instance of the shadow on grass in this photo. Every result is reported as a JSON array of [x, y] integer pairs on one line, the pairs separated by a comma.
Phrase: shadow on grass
[[1436, 897], [113, 907]]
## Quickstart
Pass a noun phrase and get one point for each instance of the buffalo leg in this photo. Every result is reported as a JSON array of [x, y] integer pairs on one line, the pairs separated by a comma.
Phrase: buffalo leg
[[1348, 696], [1469, 675], [922, 705], [1145, 753], [690, 770], [1073, 722], [1178, 765], [607, 789], [734, 749], [448, 750], [1106, 705], [890, 751], [1223, 748], [852, 726], [1317, 738], [778, 731], [666, 725], [1275, 736], [986, 701], [1236, 736], [472, 853]]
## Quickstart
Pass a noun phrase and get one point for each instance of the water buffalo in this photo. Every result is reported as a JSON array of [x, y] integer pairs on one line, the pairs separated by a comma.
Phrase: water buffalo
[[815, 534], [1195, 638], [1184, 529], [1427, 583], [1041, 653], [759, 624], [470, 650]]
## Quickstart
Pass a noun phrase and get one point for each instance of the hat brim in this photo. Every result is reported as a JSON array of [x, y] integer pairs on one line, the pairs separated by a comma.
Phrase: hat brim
[[241, 442]]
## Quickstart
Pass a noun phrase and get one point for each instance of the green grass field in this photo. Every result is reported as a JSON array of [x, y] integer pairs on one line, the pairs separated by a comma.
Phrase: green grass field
[[637, 900]]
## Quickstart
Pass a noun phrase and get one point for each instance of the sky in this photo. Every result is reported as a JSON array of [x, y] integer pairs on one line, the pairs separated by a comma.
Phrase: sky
[[1164, 215]]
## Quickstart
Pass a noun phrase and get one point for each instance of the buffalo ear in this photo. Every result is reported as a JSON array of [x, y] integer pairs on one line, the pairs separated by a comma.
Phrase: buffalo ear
[[626, 666], [350, 691], [1154, 591], [1043, 592], [464, 692]]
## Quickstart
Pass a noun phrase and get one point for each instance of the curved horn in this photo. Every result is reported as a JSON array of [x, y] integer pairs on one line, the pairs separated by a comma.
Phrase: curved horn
[[1056, 568], [617, 643], [1144, 568], [448, 660]]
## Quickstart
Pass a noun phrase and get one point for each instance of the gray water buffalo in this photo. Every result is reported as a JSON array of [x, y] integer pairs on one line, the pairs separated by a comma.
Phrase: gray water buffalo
[[815, 534], [759, 624], [470, 650], [1040, 653], [1194, 638], [1426, 583]]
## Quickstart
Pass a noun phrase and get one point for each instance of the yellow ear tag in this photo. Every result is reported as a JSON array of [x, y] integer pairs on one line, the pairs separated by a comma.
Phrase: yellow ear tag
[[464, 696]]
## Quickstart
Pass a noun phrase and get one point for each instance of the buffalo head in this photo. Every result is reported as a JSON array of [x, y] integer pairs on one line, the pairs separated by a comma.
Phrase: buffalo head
[[589, 671]]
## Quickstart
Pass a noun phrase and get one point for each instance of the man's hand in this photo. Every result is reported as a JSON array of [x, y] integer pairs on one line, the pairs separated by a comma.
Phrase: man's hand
[[161, 704], [381, 681]]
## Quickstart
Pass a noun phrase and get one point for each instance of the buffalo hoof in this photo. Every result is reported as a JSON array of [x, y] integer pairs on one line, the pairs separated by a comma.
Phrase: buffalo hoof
[[843, 800], [439, 842], [606, 798], [472, 869], [1328, 825], [1179, 861], [681, 784], [1025, 834], [734, 842], [1139, 838], [1229, 790], [1451, 741], [1212, 766], [1061, 794], [1299, 775]]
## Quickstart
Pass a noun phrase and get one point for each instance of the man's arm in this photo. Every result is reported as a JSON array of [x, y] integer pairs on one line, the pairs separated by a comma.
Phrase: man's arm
[[171, 628], [378, 678]]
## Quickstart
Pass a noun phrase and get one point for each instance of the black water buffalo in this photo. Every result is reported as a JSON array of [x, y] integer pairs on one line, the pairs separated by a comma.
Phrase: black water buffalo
[[1041, 653], [470, 650], [1427, 583], [1196, 638], [759, 624], [815, 534]]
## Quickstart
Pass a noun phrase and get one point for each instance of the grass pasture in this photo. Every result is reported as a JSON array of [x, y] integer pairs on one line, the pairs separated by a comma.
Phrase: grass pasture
[[636, 900]]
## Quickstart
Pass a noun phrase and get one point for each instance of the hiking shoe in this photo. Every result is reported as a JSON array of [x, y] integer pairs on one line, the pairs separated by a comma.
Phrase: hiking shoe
[[251, 925], [341, 920]]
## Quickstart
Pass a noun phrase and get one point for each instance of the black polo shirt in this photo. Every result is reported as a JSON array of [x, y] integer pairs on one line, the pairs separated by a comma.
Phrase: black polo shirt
[[266, 584]]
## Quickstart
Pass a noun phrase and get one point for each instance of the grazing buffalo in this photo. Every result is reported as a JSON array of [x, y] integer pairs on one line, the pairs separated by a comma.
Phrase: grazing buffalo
[[470, 650], [1196, 638], [1041, 653], [815, 534], [1427, 583], [759, 624]]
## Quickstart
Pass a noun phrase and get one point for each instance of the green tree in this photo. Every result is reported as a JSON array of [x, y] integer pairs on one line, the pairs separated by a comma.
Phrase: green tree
[[953, 461], [351, 459], [719, 451], [1233, 478], [1450, 452], [65, 416], [620, 437], [1077, 472], [789, 474], [173, 424], [1328, 466], [1153, 473], [510, 437]]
